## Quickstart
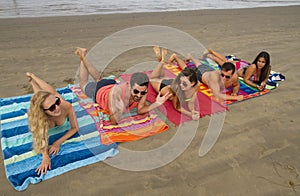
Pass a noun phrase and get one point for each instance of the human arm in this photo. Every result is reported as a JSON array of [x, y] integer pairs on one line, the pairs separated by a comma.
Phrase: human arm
[[46, 162], [70, 113], [192, 113], [235, 85], [160, 99], [222, 96], [213, 82], [115, 104], [251, 70], [264, 82], [191, 105]]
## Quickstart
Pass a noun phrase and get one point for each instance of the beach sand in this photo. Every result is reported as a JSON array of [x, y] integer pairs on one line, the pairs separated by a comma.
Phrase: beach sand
[[257, 152]]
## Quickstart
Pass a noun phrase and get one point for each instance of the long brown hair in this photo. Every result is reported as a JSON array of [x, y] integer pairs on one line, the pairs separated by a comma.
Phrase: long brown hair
[[175, 86], [265, 69]]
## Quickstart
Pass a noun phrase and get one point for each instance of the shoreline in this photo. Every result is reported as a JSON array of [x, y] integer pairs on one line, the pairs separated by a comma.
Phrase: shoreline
[[257, 152], [41, 44], [150, 12]]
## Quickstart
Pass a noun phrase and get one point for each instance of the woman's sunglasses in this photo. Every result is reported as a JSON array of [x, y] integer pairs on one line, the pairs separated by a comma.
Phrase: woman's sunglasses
[[135, 91], [53, 107], [228, 77], [184, 84]]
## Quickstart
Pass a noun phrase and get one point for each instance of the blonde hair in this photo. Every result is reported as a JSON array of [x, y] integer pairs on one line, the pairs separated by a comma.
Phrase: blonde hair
[[38, 121]]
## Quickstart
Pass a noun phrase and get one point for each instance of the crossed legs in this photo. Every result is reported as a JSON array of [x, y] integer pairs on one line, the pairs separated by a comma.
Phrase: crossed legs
[[86, 68], [178, 60], [217, 57], [159, 71]]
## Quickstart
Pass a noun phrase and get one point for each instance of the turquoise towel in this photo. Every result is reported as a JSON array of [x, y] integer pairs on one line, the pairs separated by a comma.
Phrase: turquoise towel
[[20, 161]]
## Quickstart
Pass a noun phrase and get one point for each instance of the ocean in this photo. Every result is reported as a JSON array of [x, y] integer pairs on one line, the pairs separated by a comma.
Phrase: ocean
[[40, 8]]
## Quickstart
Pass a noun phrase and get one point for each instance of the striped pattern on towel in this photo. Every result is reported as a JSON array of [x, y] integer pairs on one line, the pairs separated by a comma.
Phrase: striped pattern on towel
[[247, 91], [20, 161], [130, 128]]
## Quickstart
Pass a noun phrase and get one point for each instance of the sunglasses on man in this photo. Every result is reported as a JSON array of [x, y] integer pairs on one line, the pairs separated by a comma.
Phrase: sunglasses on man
[[135, 91], [53, 107], [226, 76]]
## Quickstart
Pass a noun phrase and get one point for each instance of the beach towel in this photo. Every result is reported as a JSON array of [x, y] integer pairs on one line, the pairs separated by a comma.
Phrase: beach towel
[[247, 91], [206, 105], [273, 78], [20, 161], [131, 127]]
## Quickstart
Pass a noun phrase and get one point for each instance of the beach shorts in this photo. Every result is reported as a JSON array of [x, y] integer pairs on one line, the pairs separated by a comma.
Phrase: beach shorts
[[201, 69], [91, 88], [165, 83]]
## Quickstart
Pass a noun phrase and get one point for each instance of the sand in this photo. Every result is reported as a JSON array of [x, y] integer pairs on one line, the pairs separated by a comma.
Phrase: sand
[[257, 152]]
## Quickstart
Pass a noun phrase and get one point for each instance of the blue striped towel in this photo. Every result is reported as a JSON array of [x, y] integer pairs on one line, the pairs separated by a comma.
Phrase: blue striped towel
[[20, 161]]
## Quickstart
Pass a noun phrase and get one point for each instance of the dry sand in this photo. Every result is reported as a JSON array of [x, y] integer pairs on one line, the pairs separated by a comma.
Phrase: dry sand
[[257, 152]]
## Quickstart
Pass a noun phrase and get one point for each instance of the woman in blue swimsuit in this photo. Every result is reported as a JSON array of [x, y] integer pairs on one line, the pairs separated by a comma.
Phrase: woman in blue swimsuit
[[48, 110]]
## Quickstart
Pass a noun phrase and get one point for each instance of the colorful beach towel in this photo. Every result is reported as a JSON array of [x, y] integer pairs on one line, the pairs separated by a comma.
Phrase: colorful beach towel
[[20, 161], [273, 78], [247, 91], [205, 105], [132, 126]]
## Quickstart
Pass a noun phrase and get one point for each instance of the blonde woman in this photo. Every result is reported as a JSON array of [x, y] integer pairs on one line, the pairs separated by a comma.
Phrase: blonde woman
[[48, 110]]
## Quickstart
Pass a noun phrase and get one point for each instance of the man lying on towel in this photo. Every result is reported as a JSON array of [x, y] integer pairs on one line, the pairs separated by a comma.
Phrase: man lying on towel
[[116, 98], [216, 80]]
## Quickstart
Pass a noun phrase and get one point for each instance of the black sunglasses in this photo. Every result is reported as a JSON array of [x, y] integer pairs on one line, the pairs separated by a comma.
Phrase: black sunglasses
[[225, 76], [53, 107], [184, 84], [135, 91]]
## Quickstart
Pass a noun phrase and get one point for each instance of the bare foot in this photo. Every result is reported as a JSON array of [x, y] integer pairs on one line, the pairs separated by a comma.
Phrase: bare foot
[[172, 58], [211, 56], [29, 75], [164, 54], [207, 54], [189, 57], [81, 52], [210, 51], [156, 50]]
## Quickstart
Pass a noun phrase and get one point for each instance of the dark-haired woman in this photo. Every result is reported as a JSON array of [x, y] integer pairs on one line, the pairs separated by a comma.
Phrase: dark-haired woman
[[256, 74], [183, 88]]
